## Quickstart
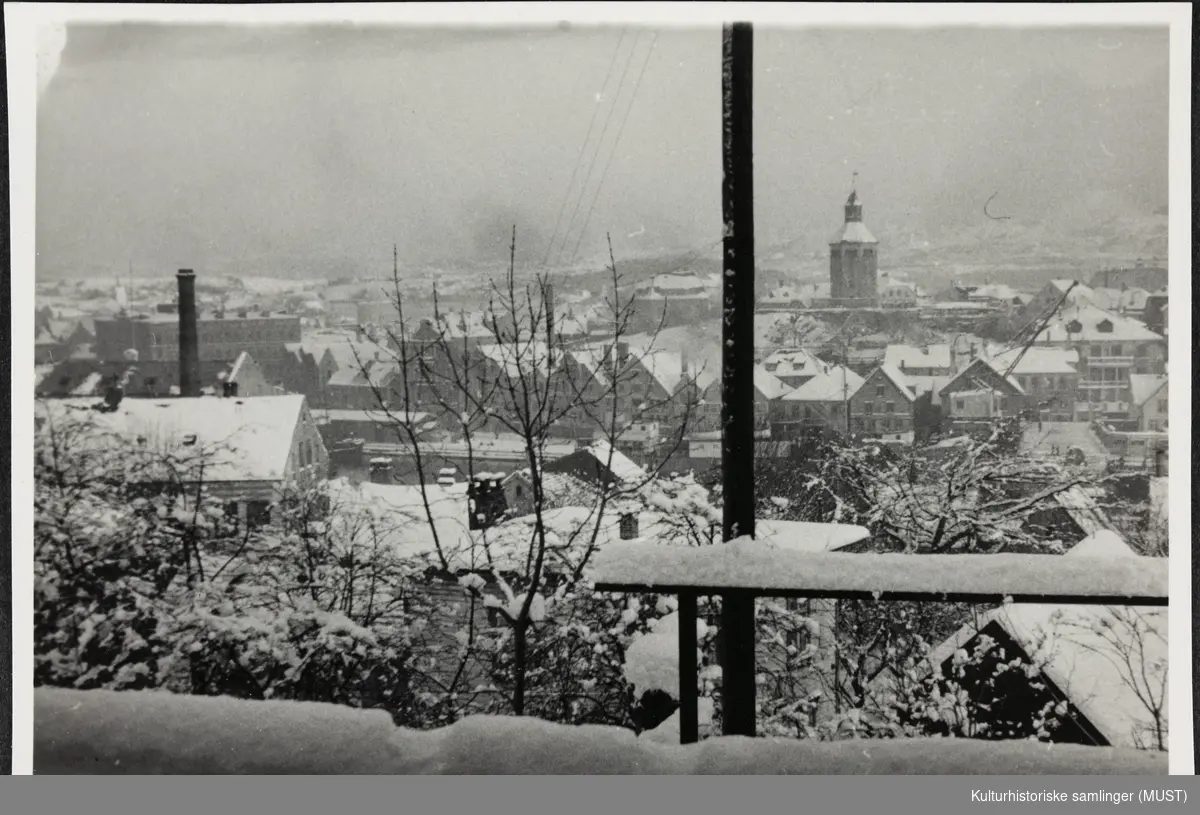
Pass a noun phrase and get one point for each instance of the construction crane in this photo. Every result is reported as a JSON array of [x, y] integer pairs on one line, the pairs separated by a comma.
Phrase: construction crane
[[1042, 323]]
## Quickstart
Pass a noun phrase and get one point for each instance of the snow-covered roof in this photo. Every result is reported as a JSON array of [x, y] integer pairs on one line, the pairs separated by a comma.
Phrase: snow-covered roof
[[526, 358], [898, 379], [928, 356], [620, 464], [995, 291], [1143, 387], [1039, 360], [833, 385], [853, 232], [399, 519], [665, 366], [590, 358], [770, 386], [1079, 647], [247, 439], [793, 362], [1120, 299], [558, 486], [1089, 318], [972, 373], [928, 384]]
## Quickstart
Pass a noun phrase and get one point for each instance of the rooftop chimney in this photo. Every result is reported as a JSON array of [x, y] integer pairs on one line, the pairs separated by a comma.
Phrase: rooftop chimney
[[189, 340]]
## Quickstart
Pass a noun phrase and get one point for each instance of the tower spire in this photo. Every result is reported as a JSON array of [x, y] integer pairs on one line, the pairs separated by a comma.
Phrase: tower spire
[[853, 207]]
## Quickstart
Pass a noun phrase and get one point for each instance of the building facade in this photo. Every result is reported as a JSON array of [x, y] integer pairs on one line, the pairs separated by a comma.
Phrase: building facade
[[1111, 348], [155, 337], [882, 407], [853, 260]]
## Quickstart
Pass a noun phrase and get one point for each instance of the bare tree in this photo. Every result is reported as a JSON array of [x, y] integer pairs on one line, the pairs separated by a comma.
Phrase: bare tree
[[521, 376]]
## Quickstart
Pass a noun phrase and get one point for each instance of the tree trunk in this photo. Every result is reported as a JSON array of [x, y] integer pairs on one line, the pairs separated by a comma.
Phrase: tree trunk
[[520, 645]]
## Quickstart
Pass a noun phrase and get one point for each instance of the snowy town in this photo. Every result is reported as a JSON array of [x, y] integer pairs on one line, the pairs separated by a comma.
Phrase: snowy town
[[856, 492]]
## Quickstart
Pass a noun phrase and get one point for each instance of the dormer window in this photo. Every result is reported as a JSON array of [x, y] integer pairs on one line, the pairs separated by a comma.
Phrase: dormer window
[[1105, 326], [1074, 327]]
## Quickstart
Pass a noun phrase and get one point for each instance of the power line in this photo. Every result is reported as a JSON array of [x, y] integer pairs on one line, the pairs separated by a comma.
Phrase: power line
[[616, 144], [582, 149], [592, 165]]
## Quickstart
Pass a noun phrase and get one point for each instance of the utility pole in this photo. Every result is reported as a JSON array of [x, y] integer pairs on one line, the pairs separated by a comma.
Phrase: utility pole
[[737, 371]]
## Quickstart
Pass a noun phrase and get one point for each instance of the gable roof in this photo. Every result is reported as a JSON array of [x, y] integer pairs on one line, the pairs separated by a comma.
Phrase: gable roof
[[910, 356], [559, 487], [1089, 317], [665, 366], [1078, 656], [892, 374], [833, 385], [1143, 387], [973, 371], [770, 386], [248, 439], [793, 362], [1038, 360], [621, 465]]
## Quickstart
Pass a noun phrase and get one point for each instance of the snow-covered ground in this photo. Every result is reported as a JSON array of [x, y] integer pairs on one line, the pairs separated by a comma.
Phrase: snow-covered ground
[[151, 733]]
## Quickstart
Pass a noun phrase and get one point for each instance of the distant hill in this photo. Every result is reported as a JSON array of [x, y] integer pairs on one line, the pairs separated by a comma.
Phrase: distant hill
[[1058, 154]]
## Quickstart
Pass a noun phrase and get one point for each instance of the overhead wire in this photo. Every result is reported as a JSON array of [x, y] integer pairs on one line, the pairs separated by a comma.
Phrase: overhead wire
[[592, 164], [616, 144], [562, 207]]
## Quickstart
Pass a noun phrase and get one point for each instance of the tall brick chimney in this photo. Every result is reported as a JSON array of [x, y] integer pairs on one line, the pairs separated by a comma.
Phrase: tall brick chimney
[[189, 340]]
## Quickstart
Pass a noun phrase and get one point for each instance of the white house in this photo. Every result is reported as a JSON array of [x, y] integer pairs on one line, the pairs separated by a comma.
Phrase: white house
[[250, 448]]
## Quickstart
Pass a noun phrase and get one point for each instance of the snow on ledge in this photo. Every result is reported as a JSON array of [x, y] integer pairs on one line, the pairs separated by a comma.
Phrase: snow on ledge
[[154, 733], [748, 564]]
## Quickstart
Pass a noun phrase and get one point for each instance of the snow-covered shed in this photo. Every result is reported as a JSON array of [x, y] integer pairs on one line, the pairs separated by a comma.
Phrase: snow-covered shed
[[1102, 668], [250, 448]]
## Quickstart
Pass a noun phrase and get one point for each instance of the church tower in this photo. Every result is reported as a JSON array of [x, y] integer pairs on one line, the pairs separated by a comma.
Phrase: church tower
[[853, 259]]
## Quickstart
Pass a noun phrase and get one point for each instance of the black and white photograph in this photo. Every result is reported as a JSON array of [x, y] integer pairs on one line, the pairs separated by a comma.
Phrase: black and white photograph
[[580, 395]]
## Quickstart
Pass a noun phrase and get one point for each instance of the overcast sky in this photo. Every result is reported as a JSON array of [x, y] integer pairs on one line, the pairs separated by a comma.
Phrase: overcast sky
[[314, 147]]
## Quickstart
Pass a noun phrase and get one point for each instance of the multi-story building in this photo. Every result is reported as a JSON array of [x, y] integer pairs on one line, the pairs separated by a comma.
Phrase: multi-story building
[[155, 337], [882, 407], [767, 389], [816, 408], [981, 392], [853, 260], [1049, 376], [677, 298], [1110, 349]]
